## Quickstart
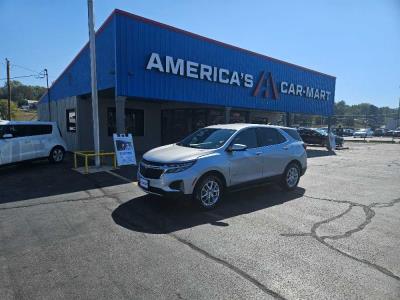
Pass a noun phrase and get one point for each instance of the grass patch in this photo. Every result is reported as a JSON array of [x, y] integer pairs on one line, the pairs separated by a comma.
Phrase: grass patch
[[22, 115]]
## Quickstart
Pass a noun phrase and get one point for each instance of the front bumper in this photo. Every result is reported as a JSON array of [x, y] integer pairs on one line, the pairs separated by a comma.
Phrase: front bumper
[[169, 184]]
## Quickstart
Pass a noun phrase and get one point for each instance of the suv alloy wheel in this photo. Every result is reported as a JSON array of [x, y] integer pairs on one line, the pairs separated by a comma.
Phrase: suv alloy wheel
[[208, 191]]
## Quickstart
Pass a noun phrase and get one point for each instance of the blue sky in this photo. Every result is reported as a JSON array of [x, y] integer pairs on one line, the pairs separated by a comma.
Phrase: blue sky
[[356, 41]]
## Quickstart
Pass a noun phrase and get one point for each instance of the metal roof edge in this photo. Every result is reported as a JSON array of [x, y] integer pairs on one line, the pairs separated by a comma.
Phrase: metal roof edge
[[163, 25]]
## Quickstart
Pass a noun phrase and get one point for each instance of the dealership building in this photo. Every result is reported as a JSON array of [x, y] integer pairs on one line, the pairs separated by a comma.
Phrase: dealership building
[[160, 83]]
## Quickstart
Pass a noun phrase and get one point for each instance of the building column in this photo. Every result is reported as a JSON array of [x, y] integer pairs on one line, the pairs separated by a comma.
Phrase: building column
[[227, 114], [288, 119], [120, 114]]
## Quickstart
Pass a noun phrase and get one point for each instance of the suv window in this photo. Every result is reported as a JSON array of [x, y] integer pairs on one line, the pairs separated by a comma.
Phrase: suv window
[[269, 136], [247, 137], [293, 133]]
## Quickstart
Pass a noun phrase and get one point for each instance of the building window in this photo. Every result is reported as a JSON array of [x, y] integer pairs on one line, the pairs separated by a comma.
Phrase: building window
[[134, 121], [71, 120]]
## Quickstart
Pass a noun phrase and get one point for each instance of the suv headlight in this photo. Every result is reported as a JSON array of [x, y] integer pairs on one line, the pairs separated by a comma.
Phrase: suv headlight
[[179, 167]]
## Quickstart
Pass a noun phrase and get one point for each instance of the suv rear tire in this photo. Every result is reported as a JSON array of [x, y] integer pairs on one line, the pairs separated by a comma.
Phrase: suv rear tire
[[57, 155], [291, 177], [208, 191]]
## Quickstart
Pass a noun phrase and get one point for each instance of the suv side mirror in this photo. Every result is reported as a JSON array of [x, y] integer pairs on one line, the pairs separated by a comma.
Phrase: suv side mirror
[[237, 147], [7, 136]]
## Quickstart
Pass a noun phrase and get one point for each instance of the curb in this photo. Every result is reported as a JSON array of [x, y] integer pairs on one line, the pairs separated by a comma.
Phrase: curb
[[371, 142]]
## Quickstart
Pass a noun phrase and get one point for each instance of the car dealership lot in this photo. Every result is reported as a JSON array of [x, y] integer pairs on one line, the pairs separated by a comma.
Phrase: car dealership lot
[[67, 235]]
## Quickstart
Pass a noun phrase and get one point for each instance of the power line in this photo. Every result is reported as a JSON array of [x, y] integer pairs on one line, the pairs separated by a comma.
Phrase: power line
[[27, 69], [24, 76]]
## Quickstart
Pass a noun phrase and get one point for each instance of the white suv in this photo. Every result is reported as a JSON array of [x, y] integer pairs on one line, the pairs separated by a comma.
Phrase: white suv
[[21, 141], [217, 157]]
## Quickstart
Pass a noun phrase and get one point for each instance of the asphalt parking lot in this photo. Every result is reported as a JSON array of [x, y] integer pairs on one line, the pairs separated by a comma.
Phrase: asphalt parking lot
[[67, 235]]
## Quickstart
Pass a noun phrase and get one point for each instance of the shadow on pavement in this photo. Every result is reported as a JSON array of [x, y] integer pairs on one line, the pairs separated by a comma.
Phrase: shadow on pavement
[[41, 179], [319, 152], [129, 172], [156, 215]]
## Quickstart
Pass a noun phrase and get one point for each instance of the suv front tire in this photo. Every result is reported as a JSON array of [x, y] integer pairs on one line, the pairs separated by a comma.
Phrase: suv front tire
[[208, 191]]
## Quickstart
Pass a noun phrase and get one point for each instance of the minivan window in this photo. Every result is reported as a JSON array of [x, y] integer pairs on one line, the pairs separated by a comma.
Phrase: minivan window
[[19, 130], [269, 136], [207, 138], [29, 130], [247, 137], [40, 129], [3, 130]]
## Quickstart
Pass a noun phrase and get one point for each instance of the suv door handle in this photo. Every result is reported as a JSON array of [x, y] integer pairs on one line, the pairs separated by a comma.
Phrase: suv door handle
[[285, 147], [258, 153]]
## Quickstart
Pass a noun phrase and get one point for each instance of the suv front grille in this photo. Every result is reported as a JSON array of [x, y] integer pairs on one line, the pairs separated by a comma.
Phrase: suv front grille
[[150, 170]]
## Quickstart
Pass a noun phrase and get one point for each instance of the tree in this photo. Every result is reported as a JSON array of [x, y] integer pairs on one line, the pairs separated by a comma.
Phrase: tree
[[373, 116], [340, 108], [21, 92], [4, 109]]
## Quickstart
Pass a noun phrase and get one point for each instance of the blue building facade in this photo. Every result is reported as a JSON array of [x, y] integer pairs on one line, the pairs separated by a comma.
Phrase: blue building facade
[[142, 60]]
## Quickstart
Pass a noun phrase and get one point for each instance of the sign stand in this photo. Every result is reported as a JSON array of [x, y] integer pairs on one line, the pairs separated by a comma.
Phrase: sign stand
[[124, 149]]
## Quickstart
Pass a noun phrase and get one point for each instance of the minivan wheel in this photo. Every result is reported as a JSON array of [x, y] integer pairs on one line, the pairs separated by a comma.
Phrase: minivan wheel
[[56, 155], [291, 177], [208, 191]]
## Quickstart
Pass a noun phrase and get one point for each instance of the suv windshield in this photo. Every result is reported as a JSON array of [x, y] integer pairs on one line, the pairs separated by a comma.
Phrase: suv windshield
[[207, 138]]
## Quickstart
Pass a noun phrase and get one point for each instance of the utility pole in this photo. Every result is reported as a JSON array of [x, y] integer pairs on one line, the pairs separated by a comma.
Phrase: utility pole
[[9, 89], [95, 104], [48, 92]]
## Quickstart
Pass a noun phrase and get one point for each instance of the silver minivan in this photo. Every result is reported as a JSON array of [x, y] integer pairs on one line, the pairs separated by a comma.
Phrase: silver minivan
[[28, 140], [218, 157]]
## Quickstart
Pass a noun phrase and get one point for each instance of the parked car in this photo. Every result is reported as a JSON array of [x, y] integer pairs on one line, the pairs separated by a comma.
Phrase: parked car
[[22, 141], [215, 158], [318, 136], [348, 132], [326, 129], [395, 133], [363, 133], [380, 132]]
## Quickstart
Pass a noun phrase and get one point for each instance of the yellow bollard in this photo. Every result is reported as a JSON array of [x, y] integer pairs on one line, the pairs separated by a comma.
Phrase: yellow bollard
[[86, 164]]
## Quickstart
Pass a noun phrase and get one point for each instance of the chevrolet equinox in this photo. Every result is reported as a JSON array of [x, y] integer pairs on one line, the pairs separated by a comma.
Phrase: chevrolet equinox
[[218, 157]]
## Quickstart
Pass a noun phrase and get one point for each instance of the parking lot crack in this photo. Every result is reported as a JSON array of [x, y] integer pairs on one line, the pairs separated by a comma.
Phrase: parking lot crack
[[369, 214]]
